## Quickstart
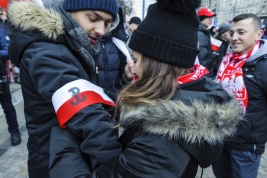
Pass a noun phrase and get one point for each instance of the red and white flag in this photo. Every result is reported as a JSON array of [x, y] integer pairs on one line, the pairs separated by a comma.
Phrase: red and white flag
[[76, 95], [215, 44]]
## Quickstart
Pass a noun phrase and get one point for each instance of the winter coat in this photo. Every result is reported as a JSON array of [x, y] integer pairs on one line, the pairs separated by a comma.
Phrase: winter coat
[[10, 30], [170, 139], [251, 133], [205, 55], [264, 36], [4, 43], [111, 67], [112, 62], [221, 53], [48, 65]]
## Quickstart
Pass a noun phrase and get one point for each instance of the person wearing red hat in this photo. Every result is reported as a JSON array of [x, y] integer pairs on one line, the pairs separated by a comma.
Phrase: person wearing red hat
[[205, 55]]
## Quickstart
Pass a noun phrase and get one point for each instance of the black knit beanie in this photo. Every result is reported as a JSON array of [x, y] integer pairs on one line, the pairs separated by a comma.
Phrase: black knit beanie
[[223, 28], [169, 32], [109, 6], [135, 20]]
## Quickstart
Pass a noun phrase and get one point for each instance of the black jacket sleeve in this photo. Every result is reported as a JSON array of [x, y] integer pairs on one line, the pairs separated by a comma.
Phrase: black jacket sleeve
[[50, 70], [70, 157]]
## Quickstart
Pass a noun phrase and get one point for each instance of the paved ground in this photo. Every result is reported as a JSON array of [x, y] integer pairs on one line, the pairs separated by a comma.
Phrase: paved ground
[[13, 160]]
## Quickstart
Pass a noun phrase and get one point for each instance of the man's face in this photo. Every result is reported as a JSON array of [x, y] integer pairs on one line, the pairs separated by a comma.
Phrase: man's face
[[243, 36], [94, 23], [137, 67], [207, 21], [225, 36], [133, 27]]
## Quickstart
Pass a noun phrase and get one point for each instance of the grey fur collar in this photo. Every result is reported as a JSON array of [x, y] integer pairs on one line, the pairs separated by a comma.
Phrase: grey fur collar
[[211, 122], [29, 16]]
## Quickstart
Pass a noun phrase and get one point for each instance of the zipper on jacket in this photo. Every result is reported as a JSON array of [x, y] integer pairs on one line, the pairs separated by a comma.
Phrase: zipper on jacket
[[105, 65]]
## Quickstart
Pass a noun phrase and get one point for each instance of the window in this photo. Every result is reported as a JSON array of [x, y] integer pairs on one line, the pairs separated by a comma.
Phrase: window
[[263, 9]]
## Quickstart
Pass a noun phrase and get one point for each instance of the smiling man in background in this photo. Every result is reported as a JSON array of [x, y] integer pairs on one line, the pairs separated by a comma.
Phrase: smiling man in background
[[56, 50], [243, 73]]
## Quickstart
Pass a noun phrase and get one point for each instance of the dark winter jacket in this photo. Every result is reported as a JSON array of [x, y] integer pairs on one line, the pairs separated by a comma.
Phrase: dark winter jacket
[[4, 42], [47, 65], [205, 55], [221, 53], [112, 61], [111, 66], [252, 132], [10, 30], [264, 36], [161, 140]]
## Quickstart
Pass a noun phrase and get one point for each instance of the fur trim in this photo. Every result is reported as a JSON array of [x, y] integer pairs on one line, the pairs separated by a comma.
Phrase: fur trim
[[211, 122], [28, 15]]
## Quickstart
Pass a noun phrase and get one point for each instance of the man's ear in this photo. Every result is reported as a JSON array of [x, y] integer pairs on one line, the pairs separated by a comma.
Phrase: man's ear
[[259, 34]]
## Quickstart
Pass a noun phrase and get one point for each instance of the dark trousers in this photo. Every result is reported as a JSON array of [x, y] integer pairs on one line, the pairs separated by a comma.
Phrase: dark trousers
[[236, 164], [10, 112]]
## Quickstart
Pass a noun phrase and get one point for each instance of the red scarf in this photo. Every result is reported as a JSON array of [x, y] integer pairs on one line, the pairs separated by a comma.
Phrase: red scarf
[[197, 72], [230, 75]]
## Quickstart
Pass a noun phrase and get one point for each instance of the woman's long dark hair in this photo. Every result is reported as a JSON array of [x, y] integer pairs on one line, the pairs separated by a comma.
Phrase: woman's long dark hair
[[158, 83]]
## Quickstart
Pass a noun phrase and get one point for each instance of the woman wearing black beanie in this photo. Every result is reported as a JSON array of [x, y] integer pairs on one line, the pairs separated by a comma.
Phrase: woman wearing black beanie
[[174, 118]]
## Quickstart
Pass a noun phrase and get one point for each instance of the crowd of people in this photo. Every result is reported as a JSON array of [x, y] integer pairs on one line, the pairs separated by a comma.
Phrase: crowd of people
[[146, 99]]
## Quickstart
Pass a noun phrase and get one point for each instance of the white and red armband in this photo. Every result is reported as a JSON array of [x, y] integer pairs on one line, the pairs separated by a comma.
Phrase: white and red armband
[[76, 95]]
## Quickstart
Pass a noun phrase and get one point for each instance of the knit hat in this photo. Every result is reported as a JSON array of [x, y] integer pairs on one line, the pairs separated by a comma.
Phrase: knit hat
[[135, 20], [109, 6], [169, 33], [223, 28]]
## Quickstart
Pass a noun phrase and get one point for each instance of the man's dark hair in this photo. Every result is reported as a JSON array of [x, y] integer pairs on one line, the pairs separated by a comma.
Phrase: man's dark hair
[[255, 20]]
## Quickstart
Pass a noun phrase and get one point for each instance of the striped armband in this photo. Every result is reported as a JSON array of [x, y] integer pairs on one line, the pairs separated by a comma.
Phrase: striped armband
[[76, 95]]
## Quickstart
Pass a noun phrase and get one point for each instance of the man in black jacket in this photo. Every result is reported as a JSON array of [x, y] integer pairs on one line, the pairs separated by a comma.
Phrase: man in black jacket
[[5, 95], [243, 74], [222, 35], [56, 50], [205, 55]]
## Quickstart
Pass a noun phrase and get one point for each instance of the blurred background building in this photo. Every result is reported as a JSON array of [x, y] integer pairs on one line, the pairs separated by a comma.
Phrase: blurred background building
[[227, 9], [135, 8]]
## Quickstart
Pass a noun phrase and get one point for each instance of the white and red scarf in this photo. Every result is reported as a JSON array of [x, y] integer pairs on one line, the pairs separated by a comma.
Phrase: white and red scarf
[[197, 72], [230, 75]]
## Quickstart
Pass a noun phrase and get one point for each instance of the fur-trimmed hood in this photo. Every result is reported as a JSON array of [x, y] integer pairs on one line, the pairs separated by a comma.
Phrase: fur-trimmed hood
[[195, 121], [28, 16]]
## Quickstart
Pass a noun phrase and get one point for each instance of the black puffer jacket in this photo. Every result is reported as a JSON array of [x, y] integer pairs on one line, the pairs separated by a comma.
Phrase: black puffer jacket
[[252, 132], [111, 75], [161, 140], [46, 65], [205, 54]]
